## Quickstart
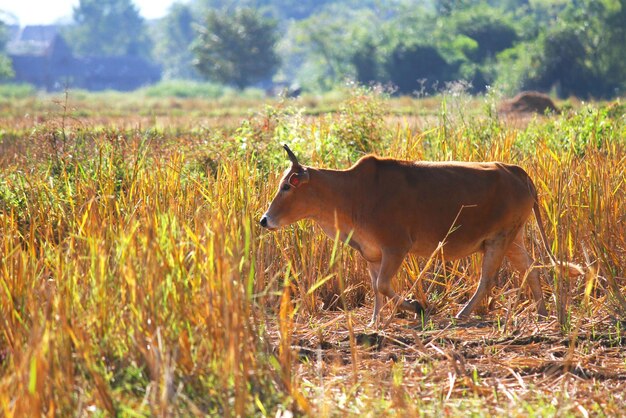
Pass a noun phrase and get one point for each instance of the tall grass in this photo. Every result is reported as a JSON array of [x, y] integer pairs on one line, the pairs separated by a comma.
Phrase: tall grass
[[134, 279]]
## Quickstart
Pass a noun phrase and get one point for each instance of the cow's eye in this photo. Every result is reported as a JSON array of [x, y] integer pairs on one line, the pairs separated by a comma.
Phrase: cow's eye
[[285, 187]]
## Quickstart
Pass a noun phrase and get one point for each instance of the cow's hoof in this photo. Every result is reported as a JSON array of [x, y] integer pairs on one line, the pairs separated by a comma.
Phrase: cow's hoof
[[417, 307]]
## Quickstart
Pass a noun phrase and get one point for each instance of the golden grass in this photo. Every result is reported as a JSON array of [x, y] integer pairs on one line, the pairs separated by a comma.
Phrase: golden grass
[[134, 279]]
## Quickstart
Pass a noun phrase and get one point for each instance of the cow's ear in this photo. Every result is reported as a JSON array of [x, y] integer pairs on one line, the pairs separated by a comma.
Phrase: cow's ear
[[299, 178], [294, 180]]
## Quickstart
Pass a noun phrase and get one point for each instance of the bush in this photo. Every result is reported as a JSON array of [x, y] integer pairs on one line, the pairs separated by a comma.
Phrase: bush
[[17, 91], [186, 89]]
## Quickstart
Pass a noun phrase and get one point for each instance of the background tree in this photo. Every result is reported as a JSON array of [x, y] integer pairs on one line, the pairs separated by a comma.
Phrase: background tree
[[320, 43], [492, 30], [581, 53], [562, 64], [600, 27], [236, 48], [293, 9], [108, 27], [418, 68], [613, 46], [6, 69], [447, 7], [366, 63], [302, 9], [332, 46], [174, 35], [471, 38], [568, 47]]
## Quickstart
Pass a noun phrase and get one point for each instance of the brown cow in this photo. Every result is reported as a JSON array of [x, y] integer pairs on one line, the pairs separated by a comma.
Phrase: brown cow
[[389, 208]]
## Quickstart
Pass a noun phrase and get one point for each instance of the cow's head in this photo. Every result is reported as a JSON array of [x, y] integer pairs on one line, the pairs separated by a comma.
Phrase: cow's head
[[290, 203]]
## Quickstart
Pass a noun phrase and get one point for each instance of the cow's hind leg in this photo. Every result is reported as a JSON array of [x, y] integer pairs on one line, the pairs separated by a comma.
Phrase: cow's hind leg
[[389, 266], [492, 259], [373, 269], [523, 263]]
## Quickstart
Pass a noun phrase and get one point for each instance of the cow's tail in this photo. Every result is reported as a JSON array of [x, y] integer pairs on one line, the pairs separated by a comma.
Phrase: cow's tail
[[571, 269]]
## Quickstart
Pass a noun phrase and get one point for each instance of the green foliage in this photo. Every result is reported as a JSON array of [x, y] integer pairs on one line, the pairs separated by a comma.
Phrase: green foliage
[[612, 47], [294, 9], [492, 30], [408, 45], [573, 48], [185, 89], [333, 46], [577, 55], [563, 64], [447, 7], [366, 63], [554, 60], [190, 89], [515, 66], [6, 70], [360, 128], [12, 200], [16, 91], [566, 47], [418, 68], [4, 36], [589, 129], [236, 48], [108, 27], [317, 50], [471, 37]]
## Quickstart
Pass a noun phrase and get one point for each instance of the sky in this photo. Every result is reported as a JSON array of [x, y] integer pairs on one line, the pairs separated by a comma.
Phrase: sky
[[41, 12]]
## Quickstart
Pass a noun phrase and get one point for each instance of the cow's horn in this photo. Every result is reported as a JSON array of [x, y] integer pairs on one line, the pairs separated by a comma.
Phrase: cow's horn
[[292, 156]]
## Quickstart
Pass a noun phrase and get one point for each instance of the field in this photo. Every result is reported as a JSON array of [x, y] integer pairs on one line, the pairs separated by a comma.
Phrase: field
[[135, 280]]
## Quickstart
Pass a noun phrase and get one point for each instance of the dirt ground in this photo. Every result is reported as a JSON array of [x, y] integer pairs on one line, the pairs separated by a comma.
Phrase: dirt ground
[[517, 358]]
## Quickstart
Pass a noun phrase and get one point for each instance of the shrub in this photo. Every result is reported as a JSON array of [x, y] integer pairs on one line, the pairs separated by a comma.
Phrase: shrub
[[16, 91], [185, 89]]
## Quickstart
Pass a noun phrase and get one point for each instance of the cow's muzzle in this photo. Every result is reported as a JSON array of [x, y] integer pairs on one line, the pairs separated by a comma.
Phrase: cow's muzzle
[[268, 222]]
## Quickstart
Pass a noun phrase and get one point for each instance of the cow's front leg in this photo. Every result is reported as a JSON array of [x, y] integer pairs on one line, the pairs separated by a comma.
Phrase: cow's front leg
[[389, 266]]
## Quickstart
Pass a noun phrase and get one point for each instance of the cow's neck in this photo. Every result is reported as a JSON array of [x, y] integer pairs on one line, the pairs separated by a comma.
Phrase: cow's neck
[[334, 190]]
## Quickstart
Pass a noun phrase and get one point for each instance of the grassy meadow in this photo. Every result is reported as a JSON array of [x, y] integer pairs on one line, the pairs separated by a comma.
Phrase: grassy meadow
[[135, 281]]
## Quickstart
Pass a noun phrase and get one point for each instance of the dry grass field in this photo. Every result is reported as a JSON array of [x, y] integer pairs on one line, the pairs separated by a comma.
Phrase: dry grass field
[[135, 281]]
